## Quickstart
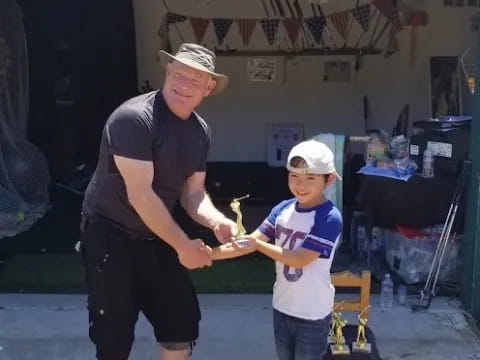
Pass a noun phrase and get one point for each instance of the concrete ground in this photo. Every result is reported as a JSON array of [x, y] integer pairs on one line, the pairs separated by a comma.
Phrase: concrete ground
[[235, 327]]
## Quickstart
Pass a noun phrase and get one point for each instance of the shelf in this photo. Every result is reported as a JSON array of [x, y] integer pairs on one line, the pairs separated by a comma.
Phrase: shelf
[[304, 52]]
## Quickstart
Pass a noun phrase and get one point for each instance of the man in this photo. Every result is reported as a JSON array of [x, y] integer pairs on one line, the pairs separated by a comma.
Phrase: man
[[153, 152]]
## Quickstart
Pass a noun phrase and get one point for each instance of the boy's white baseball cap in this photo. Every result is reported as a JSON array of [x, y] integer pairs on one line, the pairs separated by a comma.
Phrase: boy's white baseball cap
[[318, 158]]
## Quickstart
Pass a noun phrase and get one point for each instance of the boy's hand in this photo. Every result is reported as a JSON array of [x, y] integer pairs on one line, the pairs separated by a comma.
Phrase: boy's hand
[[245, 244], [194, 255]]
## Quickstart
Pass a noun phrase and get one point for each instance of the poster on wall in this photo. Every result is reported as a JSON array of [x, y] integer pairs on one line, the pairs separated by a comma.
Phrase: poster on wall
[[445, 89], [261, 70], [280, 140]]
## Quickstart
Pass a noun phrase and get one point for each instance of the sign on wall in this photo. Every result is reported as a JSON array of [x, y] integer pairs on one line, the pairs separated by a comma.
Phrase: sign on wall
[[261, 70], [280, 140]]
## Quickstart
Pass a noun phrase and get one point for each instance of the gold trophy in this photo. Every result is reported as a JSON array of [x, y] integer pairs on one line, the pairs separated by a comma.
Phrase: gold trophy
[[361, 345], [336, 315], [235, 206], [340, 348]]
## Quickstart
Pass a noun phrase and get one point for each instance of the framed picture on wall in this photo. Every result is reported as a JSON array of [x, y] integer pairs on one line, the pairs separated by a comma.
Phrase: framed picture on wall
[[445, 86], [264, 70], [280, 140]]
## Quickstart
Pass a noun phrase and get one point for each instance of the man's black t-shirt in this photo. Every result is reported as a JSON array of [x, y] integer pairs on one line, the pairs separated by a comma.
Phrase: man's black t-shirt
[[144, 128]]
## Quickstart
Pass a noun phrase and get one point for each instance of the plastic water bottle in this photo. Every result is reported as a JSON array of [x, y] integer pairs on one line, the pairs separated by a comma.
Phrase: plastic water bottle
[[427, 170], [386, 295]]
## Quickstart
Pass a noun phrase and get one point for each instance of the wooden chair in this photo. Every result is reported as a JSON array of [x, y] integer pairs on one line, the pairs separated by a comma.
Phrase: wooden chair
[[348, 279]]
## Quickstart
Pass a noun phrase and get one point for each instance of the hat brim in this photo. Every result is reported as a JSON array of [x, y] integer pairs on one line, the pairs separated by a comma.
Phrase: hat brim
[[220, 79], [310, 171]]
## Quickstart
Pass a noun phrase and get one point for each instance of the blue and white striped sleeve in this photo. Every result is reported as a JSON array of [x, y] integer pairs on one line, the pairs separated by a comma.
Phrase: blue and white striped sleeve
[[325, 232], [268, 225]]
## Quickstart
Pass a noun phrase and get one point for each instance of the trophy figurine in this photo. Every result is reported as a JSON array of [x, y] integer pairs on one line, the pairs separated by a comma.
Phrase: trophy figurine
[[333, 327], [336, 316], [361, 345], [340, 348], [235, 206]]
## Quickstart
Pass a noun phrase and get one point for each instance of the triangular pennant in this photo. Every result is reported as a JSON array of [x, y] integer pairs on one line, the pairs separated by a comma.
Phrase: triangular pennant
[[340, 20], [363, 15], [246, 27], [292, 26], [173, 18], [199, 26], [221, 28], [393, 47], [270, 27], [316, 25], [385, 7]]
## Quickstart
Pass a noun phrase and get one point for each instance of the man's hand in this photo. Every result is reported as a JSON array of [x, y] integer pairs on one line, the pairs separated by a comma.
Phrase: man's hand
[[195, 254], [225, 230]]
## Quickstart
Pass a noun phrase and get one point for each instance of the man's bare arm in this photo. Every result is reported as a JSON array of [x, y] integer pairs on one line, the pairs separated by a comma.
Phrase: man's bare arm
[[196, 202], [138, 177]]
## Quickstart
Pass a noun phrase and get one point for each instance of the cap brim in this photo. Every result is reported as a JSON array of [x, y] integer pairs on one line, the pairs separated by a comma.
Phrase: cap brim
[[220, 79], [309, 171]]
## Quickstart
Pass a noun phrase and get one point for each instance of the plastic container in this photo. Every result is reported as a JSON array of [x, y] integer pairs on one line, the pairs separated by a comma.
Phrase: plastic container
[[386, 294], [402, 294], [427, 170]]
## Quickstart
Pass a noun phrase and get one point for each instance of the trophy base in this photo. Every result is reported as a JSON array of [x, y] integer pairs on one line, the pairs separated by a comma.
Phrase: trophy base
[[333, 339], [343, 350], [243, 243], [361, 347]]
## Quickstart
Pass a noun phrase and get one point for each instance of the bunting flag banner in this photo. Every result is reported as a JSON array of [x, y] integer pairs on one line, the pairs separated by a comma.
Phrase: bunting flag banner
[[363, 15], [385, 7], [392, 47], [291, 27], [270, 27], [199, 26], [246, 27], [341, 20], [221, 28], [316, 25]]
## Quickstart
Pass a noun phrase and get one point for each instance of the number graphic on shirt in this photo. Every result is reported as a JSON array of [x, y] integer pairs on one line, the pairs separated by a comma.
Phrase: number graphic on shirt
[[292, 238]]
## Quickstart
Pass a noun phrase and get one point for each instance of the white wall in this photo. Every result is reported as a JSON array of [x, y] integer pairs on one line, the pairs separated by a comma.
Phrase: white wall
[[238, 117]]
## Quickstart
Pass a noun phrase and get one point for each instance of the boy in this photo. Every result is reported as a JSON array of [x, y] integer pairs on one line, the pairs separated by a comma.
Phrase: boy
[[305, 231]]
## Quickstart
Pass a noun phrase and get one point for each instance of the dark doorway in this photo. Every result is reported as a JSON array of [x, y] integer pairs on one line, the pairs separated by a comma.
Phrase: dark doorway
[[82, 65]]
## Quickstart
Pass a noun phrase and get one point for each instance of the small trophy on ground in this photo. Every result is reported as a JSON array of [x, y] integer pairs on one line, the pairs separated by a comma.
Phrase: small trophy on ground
[[361, 345], [235, 206], [336, 315], [339, 347]]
